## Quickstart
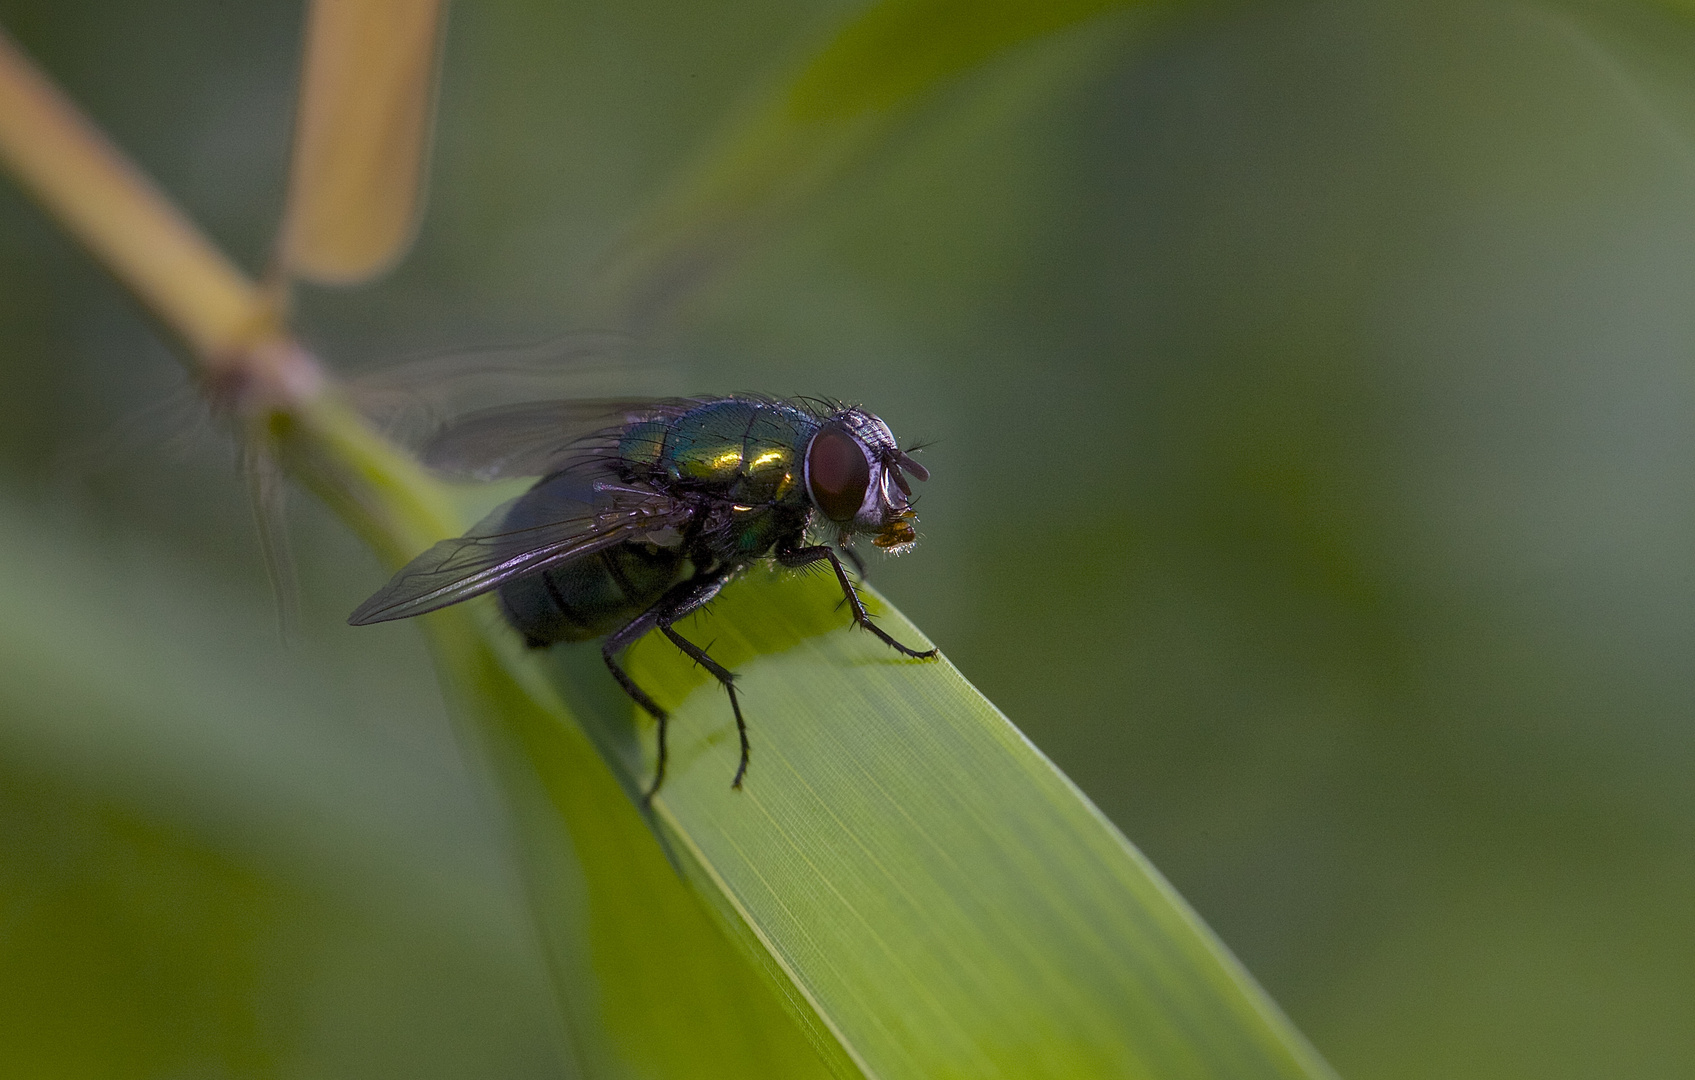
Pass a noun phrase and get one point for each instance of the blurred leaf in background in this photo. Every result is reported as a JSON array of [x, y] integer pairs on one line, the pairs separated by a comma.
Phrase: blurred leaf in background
[[1311, 385]]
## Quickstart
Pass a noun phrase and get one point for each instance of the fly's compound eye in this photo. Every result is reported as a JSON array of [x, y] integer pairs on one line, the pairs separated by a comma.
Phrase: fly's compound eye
[[837, 474]]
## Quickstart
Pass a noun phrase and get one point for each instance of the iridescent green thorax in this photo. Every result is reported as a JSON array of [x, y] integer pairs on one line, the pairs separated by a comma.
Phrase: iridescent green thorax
[[748, 452]]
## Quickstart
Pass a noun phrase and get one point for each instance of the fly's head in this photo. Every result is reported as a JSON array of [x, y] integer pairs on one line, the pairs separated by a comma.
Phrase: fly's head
[[854, 475]]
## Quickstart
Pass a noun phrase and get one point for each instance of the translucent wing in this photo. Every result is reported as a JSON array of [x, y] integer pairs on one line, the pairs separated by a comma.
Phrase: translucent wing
[[565, 517], [534, 438], [413, 400]]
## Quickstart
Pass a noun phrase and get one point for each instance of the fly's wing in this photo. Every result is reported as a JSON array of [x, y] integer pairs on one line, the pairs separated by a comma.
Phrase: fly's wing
[[411, 400], [534, 438], [563, 518]]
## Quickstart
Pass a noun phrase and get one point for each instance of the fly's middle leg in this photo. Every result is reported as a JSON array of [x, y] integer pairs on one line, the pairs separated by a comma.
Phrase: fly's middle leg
[[725, 677], [680, 601], [684, 600]]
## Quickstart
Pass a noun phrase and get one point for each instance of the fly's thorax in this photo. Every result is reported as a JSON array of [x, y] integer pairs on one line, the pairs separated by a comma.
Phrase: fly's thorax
[[771, 456], [750, 531], [704, 447], [745, 450]]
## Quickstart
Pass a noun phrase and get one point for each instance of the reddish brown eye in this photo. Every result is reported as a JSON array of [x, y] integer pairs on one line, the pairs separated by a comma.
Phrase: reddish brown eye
[[837, 474]]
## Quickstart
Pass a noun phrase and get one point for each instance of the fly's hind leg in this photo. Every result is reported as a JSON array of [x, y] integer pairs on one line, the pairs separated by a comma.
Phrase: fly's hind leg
[[617, 642], [808, 555]]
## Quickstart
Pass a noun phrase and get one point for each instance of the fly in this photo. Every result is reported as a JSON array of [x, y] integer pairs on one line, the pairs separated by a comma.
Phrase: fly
[[647, 509]]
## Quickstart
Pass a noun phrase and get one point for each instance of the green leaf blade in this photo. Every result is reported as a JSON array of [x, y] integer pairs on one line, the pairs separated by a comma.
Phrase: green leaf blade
[[943, 899], [649, 985]]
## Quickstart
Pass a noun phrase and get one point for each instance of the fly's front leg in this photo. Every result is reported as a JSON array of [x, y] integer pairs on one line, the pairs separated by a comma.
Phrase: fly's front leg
[[808, 555], [853, 557]]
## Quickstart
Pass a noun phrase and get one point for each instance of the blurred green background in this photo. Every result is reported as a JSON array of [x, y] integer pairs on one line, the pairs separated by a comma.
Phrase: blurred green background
[[1311, 388]]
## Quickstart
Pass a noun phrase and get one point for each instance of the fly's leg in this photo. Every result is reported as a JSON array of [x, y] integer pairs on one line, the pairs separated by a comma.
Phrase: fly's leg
[[684, 600], [858, 563], [724, 676], [680, 601], [617, 642], [809, 555]]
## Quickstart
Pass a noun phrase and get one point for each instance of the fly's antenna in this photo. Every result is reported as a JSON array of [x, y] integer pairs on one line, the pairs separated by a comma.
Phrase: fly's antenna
[[903, 459]]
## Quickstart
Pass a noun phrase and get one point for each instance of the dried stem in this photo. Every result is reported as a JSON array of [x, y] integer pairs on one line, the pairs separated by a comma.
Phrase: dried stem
[[234, 330]]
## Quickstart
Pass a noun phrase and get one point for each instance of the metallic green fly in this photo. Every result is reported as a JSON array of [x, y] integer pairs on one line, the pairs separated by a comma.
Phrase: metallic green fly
[[646, 509]]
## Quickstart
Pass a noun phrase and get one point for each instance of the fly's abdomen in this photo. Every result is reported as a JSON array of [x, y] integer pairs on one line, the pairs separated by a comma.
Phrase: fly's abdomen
[[591, 596]]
